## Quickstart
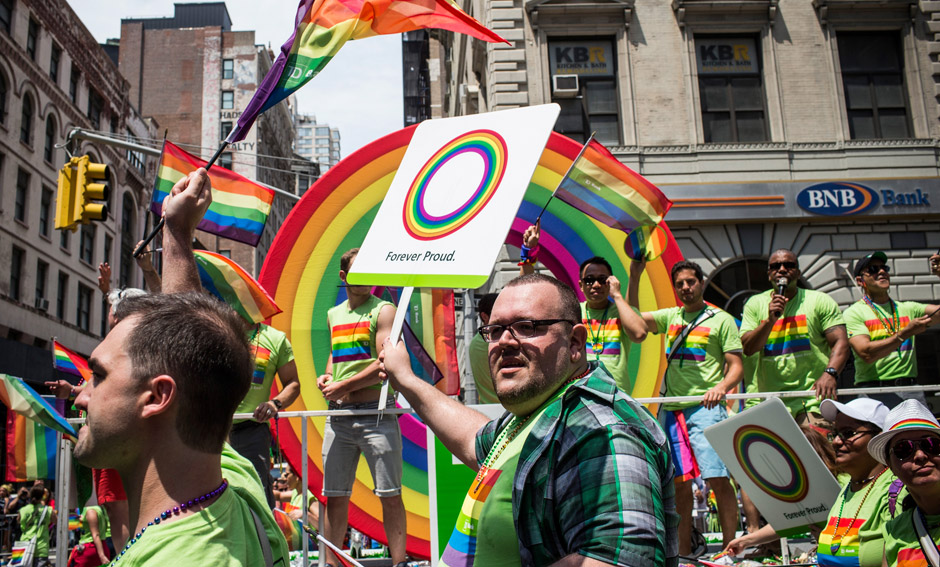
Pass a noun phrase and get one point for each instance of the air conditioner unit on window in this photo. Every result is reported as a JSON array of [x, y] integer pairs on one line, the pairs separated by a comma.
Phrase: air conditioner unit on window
[[565, 86], [42, 304]]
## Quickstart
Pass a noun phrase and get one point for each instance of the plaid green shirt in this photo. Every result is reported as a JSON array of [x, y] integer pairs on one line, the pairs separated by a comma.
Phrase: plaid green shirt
[[594, 478]]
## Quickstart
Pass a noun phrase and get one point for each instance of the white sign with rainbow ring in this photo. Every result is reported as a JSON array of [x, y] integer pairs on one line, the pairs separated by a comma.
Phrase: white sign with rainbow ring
[[453, 199]]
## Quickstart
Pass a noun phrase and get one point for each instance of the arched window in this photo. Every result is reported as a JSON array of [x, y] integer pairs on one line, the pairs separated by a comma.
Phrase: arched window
[[3, 99], [731, 285], [128, 241], [48, 152], [26, 124]]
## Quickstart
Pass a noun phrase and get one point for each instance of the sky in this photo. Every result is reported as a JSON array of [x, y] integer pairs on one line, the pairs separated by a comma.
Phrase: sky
[[359, 92]]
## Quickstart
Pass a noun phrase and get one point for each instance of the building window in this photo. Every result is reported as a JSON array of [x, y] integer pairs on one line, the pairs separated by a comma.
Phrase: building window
[[105, 310], [95, 106], [583, 74], [731, 89], [48, 152], [873, 80], [61, 291], [83, 311], [228, 100], [64, 239], [136, 159], [16, 272], [54, 60], [73, 84], [26, 122], [45, 213], [225, 160], [228, 68], [32, 38], [3, 99], [22, 194], [108, 246], [42, 274], [323, 131], [6, 14], [225, 129], [86, 248], [129, 240]]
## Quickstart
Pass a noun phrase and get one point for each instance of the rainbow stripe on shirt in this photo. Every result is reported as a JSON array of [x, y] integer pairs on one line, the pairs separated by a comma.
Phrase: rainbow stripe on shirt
[[912, 557], [877, 331], [846, 555], [262, 357], [694, 346], [351, 342], [790, 335], [606, 333], [462, 545]]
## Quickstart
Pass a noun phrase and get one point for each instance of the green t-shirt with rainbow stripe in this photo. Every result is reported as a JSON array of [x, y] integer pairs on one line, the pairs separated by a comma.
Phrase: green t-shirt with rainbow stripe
[[861, 319], [352, 337], [902, 548], [270, 350], [698, 365], [607, 343], [796, 353]]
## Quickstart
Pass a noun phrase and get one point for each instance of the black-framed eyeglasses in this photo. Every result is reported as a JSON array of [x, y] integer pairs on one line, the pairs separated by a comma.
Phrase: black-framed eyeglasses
[[788, 265], [873, 270], [905, 449], [847, 434], [522, 329], [591, 280]]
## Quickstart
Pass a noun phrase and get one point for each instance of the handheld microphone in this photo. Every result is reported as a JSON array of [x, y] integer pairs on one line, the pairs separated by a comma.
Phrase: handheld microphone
[[781, 287]]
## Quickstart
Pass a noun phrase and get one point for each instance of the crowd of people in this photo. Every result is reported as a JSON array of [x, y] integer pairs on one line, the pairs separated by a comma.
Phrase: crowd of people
[[575, 472]]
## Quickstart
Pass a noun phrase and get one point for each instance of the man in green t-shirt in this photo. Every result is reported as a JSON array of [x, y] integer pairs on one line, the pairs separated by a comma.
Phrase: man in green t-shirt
[[800, 336], [704, 353], [881, 332], [479, 355], [358, 327]]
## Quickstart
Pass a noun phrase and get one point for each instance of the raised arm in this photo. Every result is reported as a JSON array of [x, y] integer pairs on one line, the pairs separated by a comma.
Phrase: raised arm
[[633, 293], [183, 208], [631, 322]]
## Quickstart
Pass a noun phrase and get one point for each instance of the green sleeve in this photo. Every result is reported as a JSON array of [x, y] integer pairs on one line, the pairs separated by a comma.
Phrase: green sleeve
[[855, 320], [830, 316], [728, 334], [661, 318], [751, 317], [916, 308], [285, 352]]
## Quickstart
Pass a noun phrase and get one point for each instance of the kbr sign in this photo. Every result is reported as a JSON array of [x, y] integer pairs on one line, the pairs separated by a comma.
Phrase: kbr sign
[[836, 199]]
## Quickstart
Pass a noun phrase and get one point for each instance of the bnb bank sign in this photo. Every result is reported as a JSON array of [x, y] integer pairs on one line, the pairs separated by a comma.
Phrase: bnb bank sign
[[837, 199]]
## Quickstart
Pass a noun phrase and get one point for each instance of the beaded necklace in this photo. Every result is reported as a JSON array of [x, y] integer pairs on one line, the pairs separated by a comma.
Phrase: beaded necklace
[[597, 345], [836, 538], [175, 511], [509, 433], [893, 326]]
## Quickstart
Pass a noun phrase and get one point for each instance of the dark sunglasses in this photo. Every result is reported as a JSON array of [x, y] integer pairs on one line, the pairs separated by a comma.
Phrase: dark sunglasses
[[907, 448], [873, 270], [788, 265], [591, 280], [846, 434]]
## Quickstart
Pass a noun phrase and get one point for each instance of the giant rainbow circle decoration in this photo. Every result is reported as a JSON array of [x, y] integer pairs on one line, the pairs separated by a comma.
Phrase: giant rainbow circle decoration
[[487, 145], [795, 483], [301, 272]]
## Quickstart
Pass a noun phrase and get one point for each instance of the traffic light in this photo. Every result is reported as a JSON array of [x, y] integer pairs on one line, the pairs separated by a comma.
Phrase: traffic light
[[91, 185], [65, 198]]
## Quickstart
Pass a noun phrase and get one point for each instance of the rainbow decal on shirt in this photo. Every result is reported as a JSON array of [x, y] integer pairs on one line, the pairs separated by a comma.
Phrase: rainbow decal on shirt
[[846, 554], [789, 484], [694, 346], [789, 335], [907, 423], [912, 557], [262, 356], [606, 334], [485, 144], [877, 331], [462, 546], [351, 342]]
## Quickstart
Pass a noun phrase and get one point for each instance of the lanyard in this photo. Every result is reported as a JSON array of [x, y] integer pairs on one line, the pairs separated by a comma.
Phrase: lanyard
[[597, 345]]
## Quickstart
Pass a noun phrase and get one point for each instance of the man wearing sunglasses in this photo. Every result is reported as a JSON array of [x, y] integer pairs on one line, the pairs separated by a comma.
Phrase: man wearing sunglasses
[[881, 332], [800, 336], [576, 472]]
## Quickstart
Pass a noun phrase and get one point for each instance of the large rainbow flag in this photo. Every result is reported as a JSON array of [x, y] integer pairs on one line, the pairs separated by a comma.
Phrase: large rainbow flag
[[322, 27], [225, 279], [68, 361], [239, 206], [600, 186], [30, 449], [19, 397]]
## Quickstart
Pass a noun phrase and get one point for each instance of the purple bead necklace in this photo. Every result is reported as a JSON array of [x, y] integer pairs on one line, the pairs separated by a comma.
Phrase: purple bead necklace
[[175, 511]]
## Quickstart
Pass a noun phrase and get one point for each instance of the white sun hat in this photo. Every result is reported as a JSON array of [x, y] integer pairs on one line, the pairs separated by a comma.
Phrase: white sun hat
[[909, 415], [862, 409]]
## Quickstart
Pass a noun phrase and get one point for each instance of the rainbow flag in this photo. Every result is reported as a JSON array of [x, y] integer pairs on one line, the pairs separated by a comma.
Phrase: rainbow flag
[[70, 362], [75, 520], [30, 448], [291, 528], [228, 281], [19, 397], [601, 187], [239, 206], [322, 27]]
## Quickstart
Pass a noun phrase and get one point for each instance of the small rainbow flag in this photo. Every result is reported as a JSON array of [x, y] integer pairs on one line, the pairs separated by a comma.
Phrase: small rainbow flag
[[605, 189], [322, 27], [75, 520], [228, 281], [30, 449], [291, 528], [70, 362], [16, 556], [239, 206], [19, 397]]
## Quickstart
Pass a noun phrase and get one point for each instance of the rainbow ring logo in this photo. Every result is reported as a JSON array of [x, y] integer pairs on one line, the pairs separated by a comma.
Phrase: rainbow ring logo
[[486, 144], [791, 484]]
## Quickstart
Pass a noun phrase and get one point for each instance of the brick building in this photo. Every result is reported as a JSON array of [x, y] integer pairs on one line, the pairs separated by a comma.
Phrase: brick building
[[54, 77]]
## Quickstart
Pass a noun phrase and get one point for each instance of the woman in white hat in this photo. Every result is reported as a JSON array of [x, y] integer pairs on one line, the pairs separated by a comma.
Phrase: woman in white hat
[[910, 445]]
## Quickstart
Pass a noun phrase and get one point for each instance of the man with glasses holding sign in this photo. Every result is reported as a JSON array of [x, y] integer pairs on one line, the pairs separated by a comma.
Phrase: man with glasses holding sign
[[576, 472], [800, 336], [881, 332]]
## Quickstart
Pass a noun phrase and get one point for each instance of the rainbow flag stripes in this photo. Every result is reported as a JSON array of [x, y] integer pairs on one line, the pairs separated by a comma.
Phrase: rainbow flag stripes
[[16, 557], [461, 548], [789, 335], [603, 336], [30, 449], [75, 521], [913, 423], [262, 356], [877, 331], [912, 557], [847, 553], [239, 208], [19, 397], [351, 342], [70, 362], [681, 447], [695, 343], [228, 281]]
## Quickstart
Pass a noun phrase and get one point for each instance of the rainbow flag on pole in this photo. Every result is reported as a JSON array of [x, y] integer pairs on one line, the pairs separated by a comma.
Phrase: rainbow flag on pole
[[239, 206], [322, 27], [19, 397], [70, 362], [228, 281], [30, 448], [605, 189]]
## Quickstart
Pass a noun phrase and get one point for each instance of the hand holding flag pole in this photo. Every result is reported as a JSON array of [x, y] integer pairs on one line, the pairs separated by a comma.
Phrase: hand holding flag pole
[[395, 335]]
